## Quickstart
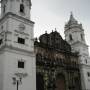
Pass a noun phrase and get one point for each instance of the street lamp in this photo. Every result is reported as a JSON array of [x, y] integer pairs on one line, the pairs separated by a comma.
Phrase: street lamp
[[17, 79]]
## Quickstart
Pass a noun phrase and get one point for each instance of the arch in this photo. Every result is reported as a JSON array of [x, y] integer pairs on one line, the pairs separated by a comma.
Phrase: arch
[[70, 36], [22, 8], [82, 38], [4, 8], [60, 82]]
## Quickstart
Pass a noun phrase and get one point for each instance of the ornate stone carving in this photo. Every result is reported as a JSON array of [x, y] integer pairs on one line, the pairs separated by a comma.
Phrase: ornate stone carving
[[52, 61], [54, 40]]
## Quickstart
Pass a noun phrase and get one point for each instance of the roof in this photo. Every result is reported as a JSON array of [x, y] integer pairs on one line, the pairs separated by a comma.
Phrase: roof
[[54, 40]]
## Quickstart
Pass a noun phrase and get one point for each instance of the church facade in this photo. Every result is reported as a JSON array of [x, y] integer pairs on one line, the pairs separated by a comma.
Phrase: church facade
[[50, 63], [57, 68]]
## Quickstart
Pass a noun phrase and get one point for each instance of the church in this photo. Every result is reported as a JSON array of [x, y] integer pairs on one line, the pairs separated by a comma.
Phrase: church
[[46, 63], [57, 68]]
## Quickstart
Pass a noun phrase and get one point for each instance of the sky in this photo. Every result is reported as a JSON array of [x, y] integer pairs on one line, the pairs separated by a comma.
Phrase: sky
[[51, 14]]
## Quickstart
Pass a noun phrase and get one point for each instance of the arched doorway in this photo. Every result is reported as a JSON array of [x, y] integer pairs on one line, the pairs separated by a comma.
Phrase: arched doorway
[[60, 82], [39, 82]]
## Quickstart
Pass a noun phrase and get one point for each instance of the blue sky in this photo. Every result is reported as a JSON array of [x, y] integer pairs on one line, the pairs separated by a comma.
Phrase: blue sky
[[51, 14]]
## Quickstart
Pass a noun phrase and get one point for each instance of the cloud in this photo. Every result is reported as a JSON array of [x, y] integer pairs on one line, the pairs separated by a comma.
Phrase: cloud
[[49, 14]]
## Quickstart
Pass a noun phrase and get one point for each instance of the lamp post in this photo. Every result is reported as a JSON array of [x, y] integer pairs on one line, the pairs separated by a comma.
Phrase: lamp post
[[17, 81]]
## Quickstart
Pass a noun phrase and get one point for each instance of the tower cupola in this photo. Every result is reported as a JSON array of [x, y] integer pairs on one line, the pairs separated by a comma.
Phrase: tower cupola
[[72, 23], [74, 35], [74, 31], [72, 20]]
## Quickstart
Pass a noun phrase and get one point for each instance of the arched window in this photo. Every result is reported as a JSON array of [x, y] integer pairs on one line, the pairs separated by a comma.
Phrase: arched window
[[70, 36], [21, 8], [82, 37], [4, 8], [86, 61]]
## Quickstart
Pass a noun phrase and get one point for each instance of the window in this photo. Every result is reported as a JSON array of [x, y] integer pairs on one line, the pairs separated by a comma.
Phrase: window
[[88, 73], [86, 61], [20, 64], [21, 8], [82, 37], [4, 8], [21, 40], [1, 41], [70, 36]]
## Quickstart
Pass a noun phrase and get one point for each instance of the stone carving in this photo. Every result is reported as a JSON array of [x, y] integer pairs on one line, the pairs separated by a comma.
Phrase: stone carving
[[21, 27], [54, 40]]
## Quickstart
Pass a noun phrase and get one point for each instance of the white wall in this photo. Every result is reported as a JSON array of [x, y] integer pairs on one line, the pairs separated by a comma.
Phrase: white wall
[[85, 78], [11, 67], [14, 7], [28, 36], [2, 55]]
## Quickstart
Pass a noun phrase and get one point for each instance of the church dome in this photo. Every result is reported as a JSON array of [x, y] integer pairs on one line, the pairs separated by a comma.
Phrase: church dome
[[44, 38]]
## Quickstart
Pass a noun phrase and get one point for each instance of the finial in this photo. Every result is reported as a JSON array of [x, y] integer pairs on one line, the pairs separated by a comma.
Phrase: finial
[[45, 31], [71, 15], [55, 29]]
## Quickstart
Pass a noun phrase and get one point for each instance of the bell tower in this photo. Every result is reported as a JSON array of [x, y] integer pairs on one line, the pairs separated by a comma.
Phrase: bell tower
[[74, 35], [17, 58], [19, 7]]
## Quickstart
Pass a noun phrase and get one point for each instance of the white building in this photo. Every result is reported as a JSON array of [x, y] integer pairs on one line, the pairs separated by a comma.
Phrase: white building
[[17, 59], [74, 35]]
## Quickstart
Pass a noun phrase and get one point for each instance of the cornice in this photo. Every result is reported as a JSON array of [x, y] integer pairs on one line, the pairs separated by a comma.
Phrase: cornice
[[10, 14], [5, 48], [87, 66], [73, 28], [78, 42]]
